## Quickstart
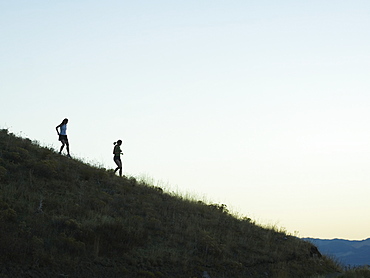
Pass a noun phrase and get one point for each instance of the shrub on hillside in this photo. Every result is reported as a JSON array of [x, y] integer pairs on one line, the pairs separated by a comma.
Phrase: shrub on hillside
[[358, 272], [46, 168], [3, 173]]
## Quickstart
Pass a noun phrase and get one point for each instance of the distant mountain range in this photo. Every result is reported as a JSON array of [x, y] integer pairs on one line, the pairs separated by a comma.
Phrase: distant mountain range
[[347, 252]]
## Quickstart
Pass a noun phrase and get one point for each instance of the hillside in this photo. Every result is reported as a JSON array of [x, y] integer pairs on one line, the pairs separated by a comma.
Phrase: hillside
[[60, 217], [348, 252]]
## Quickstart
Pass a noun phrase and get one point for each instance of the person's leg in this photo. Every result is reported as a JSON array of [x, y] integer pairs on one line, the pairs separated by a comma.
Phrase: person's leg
[[61, 148], [67, 145], [116, 161], [119, 164], [120, 170]]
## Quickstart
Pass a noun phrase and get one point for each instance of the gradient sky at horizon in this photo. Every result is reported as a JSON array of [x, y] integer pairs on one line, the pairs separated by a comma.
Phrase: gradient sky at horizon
[[260, 105]]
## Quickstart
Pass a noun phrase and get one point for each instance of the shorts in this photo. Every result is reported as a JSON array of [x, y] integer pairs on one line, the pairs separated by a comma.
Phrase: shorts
[[63, 138], [117, 158]]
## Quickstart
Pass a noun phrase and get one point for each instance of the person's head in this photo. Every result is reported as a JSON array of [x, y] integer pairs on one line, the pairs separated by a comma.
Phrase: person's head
[[119, 143], [65, 121]]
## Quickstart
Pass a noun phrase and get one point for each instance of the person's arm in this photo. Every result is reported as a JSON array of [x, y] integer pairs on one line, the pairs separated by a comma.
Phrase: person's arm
[[57, 128]]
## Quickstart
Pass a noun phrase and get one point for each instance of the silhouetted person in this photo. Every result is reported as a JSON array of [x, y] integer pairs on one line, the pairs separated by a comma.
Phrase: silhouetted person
[[117, 156], [63, 136]]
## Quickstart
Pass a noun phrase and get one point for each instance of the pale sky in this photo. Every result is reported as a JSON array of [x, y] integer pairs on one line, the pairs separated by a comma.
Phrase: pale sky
[[261, 105]]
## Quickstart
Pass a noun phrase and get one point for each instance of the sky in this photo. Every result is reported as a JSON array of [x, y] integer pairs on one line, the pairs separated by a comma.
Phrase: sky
[[259, 105]]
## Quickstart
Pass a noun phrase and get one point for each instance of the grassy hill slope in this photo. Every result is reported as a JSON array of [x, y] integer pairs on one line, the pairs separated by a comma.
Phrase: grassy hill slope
[[60, 217]]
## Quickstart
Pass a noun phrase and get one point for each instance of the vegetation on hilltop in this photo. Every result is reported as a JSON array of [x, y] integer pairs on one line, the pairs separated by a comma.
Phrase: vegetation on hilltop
[[62, 217]]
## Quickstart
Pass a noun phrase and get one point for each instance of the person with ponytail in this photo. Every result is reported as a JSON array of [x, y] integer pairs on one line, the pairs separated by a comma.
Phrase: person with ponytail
[[117, 156]]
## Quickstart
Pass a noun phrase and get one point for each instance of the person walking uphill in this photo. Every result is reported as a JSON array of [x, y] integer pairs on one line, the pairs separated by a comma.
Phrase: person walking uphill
[[63, 136], [117, 156]]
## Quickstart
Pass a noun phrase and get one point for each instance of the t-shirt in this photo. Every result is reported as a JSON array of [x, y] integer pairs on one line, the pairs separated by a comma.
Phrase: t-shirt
[[63, 129], [117, 150]]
